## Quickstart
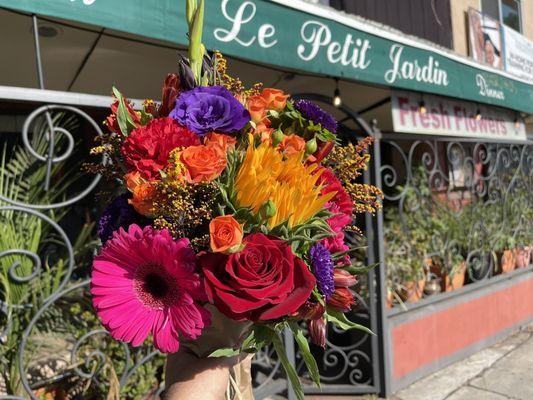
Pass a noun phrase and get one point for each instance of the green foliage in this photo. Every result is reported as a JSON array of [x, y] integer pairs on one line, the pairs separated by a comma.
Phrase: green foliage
[[71, 316], [288, 367], [339, 318], [195, 20], [291, 121], [124, 119], [305, 351]]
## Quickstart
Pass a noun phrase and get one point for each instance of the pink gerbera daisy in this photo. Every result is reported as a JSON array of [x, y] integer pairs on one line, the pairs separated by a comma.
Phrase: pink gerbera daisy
[[145, 282]]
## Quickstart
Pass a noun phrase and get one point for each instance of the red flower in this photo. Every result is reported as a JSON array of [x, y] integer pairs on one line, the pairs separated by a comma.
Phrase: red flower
[[111, 120], [343, 278], [340, 204], [146, 149], [324, 148], [264, 281], [170, 91], [310, 310], [342, 299], [318, 330]]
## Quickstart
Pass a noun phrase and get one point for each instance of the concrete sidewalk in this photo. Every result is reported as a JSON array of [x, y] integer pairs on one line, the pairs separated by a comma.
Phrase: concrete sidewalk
[[501, 372]]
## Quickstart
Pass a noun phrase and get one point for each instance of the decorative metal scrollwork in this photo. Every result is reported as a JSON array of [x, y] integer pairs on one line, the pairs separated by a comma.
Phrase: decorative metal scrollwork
[[473, 184], [85, 364]]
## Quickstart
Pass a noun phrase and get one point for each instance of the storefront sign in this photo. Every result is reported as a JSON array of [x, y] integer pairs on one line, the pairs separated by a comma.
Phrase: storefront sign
[[448, 117], [518, 54], [301, 36], [485, 39]]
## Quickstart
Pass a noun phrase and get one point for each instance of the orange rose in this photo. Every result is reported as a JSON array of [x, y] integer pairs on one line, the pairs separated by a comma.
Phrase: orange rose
[[292, 144], [275, 99], [203, 163], [264, 131], [218, 139], [225, 234], [257, 107], [143, 193]]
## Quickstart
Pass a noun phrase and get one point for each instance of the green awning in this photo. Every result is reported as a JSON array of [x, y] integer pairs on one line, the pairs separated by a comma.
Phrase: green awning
[[298, 35]]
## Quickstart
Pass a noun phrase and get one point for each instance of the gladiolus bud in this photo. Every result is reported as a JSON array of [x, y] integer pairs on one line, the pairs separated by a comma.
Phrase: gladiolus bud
[[342, 299], [169, 93], [343, 278], [310, 310], [317, 332], [268, 209], [277, 137], [324, 148], [311, 146]]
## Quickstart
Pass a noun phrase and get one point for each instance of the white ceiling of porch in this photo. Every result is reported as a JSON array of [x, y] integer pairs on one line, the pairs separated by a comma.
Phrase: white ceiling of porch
[[138, 68]]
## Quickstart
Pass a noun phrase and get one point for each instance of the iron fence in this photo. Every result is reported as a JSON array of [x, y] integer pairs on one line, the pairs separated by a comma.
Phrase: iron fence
[[482, 187]]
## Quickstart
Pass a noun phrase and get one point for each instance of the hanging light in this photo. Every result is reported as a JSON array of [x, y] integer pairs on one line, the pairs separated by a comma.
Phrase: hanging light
[[422, 107], [478, 114], [517, 122], [337, 101]]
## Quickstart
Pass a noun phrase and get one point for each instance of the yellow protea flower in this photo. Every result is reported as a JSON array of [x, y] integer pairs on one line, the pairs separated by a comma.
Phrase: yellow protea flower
[[266, 175]]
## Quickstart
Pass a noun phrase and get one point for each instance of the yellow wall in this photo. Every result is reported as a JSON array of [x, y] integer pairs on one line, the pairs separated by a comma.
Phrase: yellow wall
[[460, 27], [460, 23], [527, 18]]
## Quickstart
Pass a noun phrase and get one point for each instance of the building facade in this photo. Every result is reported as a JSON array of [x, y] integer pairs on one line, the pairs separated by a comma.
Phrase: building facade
[[442, 86]]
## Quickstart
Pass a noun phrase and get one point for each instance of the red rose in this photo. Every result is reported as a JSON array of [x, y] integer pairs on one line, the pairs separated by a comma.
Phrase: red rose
[[146, 149], [262, 282]]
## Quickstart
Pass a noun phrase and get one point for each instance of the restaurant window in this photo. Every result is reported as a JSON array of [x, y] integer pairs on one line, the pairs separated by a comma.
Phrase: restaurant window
[[505, 11]]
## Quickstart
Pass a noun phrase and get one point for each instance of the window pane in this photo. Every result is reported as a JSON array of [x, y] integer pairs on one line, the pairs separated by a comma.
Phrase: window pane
[[490, 7], [510, 11]]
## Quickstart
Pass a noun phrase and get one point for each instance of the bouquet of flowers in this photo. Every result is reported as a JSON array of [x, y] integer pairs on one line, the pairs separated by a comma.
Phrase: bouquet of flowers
[[234, 200]]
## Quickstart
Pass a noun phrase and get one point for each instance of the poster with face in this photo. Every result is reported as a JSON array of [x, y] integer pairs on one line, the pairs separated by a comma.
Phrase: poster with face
[[485, 39]]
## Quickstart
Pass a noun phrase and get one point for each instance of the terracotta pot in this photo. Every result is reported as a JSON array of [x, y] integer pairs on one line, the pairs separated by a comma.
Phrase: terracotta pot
[[388, 299], [522, 256], [450, 282], [413, 291], [507, 261], [432, 287]]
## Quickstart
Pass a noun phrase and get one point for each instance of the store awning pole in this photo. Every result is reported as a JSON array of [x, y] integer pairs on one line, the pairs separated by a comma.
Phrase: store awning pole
[[38, 51]]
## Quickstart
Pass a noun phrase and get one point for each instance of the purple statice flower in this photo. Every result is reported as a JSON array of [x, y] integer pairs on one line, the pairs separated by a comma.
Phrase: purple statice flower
[[323, 269], [314, 113], [207, 109], [118, 214]]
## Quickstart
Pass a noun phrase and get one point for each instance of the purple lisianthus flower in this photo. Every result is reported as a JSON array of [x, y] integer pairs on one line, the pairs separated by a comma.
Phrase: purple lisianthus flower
[[210, 109], [314, 113], [118, 214], [323, 269]]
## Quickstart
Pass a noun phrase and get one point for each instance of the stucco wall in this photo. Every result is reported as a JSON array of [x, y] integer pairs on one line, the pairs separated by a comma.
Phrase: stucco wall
[[459, 23]]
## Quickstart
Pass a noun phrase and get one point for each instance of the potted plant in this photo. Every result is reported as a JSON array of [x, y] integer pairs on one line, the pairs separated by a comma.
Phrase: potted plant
[[448, 264], [519, 212], [505, 251], [524, 246], [405, 261]]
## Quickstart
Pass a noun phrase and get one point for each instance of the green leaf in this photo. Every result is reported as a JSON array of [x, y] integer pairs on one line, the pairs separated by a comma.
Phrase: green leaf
[[225, 352], [360, 270], [338, 318], [279, 347], [189, 10], [146, 117], [326, 135], [124, 119], [310, 361], [196, 48], [263, 335]]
